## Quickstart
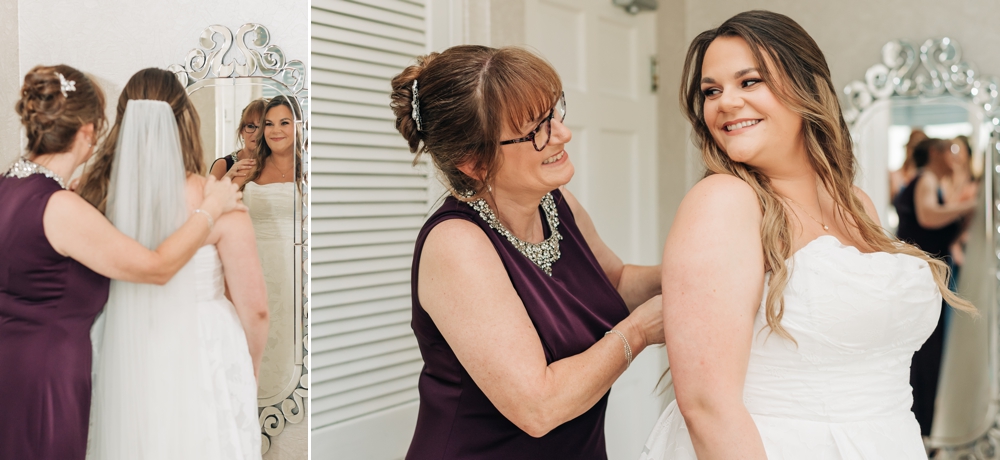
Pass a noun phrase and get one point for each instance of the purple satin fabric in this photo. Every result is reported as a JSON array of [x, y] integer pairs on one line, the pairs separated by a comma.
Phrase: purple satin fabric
[[571, 310], [48, 303]]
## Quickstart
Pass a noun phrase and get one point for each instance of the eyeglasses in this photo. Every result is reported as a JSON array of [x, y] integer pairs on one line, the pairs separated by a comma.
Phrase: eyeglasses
[[250, 128], [539, 136]]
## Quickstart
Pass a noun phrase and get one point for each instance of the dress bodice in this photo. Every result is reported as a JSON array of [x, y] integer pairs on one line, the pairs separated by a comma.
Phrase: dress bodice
[[857, 319], [272, 208], [210, 284], [841, 389]]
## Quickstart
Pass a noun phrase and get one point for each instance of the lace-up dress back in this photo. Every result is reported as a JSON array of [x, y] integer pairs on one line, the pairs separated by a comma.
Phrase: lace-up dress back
[[47, 304], [843, 392]]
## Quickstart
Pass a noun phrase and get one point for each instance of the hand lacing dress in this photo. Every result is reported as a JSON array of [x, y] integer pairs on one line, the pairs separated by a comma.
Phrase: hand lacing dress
[[843, 392]]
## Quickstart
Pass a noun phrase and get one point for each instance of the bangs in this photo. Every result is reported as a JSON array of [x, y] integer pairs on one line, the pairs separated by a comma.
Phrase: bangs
[[526, 85]]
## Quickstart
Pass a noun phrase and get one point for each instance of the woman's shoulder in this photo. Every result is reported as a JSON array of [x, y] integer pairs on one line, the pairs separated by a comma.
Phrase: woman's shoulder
[[723, 192]]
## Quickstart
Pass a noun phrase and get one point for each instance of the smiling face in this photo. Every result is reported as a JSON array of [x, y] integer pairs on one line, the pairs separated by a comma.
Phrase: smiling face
[[279, 129], [525, 169], [746, 119], [250, 138]]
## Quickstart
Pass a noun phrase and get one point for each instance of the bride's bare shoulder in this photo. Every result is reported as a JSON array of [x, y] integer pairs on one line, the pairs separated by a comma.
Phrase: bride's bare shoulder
[[722, 193]]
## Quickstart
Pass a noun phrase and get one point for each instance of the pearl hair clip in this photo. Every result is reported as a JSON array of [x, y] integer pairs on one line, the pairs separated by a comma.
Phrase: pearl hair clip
[[415, 103], [65, 85]]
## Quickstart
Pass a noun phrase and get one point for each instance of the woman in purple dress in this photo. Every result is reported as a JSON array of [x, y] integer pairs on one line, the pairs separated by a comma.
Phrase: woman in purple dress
[[524, 317], [58, 253]]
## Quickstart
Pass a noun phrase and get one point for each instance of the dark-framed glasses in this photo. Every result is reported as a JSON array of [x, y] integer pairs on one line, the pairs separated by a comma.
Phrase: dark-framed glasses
[[250, 128], [539, 136]]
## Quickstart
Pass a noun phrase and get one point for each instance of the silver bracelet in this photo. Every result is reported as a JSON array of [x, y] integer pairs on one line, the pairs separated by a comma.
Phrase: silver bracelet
[[211, 221], [628, 349]]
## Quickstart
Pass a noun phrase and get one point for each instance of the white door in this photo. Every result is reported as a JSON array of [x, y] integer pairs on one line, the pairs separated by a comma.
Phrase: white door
[[603, 56]]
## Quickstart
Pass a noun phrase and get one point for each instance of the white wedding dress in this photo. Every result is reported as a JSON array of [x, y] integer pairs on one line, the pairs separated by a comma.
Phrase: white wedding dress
[[271, 208], [843, 392], [173, 377]]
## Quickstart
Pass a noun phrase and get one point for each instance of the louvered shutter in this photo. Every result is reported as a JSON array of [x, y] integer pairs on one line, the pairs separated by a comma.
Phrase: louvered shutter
[[368, 203]]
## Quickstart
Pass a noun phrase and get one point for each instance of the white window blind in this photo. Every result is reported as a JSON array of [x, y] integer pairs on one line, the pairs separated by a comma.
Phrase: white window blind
[[368, 203]]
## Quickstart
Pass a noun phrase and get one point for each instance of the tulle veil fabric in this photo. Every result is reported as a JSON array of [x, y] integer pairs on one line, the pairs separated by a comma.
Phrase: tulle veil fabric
[[151, 388]]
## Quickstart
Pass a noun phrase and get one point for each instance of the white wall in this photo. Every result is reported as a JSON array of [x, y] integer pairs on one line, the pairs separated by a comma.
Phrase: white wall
[[10, 84], [112, 39]]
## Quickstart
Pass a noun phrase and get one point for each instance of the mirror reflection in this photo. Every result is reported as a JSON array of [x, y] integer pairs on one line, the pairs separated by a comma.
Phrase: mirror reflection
[[923, 153], [251, 130]]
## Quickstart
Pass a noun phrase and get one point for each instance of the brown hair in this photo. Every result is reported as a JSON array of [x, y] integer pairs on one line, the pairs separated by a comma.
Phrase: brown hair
[[263, 151], [466, 95], [253, 112], [805, 87], [153, 84], [52, 118]]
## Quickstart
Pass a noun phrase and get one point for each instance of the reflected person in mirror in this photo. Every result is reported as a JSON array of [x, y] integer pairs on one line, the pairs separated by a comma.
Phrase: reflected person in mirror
[[175, 364], [523, 315], [237, 165], [58, 252], [961, 185], [934, 224], [790, 316], [269, 193], [902, 176]]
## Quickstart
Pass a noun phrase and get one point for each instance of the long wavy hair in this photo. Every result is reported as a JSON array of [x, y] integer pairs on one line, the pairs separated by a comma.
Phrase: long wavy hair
[[783, 52], [153, 84], [263, 151]]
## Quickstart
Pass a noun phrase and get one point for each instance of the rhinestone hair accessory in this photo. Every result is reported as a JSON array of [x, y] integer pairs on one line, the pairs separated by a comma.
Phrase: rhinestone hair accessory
[[415, 103], [23, 168], [543, 254], [65, 85]]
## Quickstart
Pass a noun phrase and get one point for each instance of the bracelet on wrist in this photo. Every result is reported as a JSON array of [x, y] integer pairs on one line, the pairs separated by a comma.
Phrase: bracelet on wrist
[[628, 348], [211, 221]]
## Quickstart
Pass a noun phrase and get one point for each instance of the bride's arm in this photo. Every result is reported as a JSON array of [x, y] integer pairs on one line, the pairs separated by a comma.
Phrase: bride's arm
[[245, 280], [713, 282], [78, 230], [635, 283]]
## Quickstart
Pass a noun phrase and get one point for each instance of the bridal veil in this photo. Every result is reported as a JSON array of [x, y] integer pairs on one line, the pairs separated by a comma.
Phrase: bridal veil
[[150, 389]]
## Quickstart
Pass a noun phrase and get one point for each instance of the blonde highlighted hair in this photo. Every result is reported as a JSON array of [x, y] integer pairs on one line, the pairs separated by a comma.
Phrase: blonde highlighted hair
[[785, 53]]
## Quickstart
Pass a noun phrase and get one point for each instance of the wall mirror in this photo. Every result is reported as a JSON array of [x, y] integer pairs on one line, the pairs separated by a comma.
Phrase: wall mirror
[[223, 76], [932, 87]]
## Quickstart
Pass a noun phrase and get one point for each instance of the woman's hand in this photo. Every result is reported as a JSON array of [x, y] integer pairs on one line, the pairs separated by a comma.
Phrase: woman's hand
[[242, 168], [647, 321], [221, 196]]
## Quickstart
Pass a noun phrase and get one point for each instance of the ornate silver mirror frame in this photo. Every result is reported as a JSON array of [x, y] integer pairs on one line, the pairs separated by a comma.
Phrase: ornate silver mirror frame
[[924, 75], [219, 61]]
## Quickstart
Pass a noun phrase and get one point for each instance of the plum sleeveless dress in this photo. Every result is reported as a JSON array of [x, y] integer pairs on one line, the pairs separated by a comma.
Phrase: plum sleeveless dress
[[48, 303], [571, 310]]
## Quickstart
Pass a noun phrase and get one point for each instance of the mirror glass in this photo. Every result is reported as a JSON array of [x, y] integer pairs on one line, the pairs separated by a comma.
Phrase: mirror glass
[[930, 89]]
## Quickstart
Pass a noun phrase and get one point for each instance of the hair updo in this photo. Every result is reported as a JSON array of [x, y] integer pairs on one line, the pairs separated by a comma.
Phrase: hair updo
[[467, 94], [51, 118]]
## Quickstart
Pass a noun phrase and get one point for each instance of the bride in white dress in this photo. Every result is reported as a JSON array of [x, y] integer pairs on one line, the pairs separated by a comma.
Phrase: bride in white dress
[[174, 365], [269, 193], [790, 317]]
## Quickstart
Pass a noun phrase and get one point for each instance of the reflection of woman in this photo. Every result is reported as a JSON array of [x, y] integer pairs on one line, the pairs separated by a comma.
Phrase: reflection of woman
[[960, 186], [902, 176], [933, 224], [57, 252], [269, 193], [175, 364], [521, 312], [790, 317], [246, 133]]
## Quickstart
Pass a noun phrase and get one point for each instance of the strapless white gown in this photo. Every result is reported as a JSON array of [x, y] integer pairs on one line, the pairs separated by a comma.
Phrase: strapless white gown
[[844, 392], [272, 208], [174, 380]]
